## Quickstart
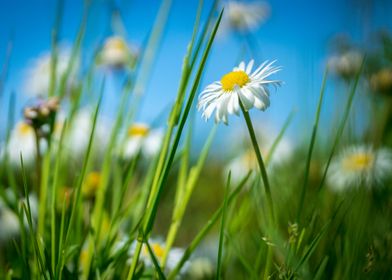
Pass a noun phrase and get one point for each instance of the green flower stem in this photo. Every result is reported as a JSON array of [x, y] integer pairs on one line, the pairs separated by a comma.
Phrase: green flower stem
[[260, 162]]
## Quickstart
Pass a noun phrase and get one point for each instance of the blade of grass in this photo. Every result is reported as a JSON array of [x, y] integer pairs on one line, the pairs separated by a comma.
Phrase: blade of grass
[[77, 191], [339, 133], [55, 182], [27, 212], [155, 261], [6, 65], [183, 119], [54, 54], [311, 147], [279, 137], [152, 46], [151, 211], [222, 229], [180, 208]]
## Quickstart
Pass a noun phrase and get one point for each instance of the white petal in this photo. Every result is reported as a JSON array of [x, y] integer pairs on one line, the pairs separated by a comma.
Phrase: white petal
[[249, 67]]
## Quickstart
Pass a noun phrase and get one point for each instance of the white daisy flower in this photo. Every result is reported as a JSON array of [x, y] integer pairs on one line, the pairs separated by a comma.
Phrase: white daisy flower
[[244, 17], [246, 160], [38, 76], [142, 139], [22, 141], [9, 224], [9, 221], [79, 134], [158, 248], [117, 53], [34, 206], [201, 268], [241, 84], [347, 64], [359, 165]]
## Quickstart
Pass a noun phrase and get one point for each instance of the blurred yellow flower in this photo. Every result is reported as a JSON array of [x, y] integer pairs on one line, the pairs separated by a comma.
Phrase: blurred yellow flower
[[64, 195], [142, 139], [116, 53], [91, 184], [158, 249], [381, 82], [138, 129]]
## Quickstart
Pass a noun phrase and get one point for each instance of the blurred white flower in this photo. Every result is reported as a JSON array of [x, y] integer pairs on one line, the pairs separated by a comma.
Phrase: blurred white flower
[[200, 268], [359, 165], [241, 84], [241, 164], [9, 223], [80, 130], [117, 53], [38, 75], [347, 64], [244, 17], [9, 220], [158, 248], [142, 139], [33, 201], [22, 141]]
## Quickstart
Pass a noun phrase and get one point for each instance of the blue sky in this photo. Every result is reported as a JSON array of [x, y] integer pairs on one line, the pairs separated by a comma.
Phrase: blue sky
[[296, 34]]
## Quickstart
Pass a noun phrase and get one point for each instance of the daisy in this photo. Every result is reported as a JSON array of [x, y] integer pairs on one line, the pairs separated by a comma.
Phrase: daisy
[[22, 141], [9, 223], [116, 53], [34, 206], [347, 64], [142, 139], [79, 134], [244, 17], [158, 248], [359, 165], [38, 76], [381, 81], [246, 161], [91, 184], [201, 268], [241, 84]]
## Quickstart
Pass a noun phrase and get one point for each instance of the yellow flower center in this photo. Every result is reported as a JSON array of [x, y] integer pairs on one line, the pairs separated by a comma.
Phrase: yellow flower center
[[116, 43], [358, 162], [158, 250], [249, 158], [83, 257], [138, 130], [235, 78], [91, 184], [24, 129]]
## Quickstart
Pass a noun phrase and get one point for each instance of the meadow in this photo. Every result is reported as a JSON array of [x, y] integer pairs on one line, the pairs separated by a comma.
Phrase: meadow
[[87, 196]]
